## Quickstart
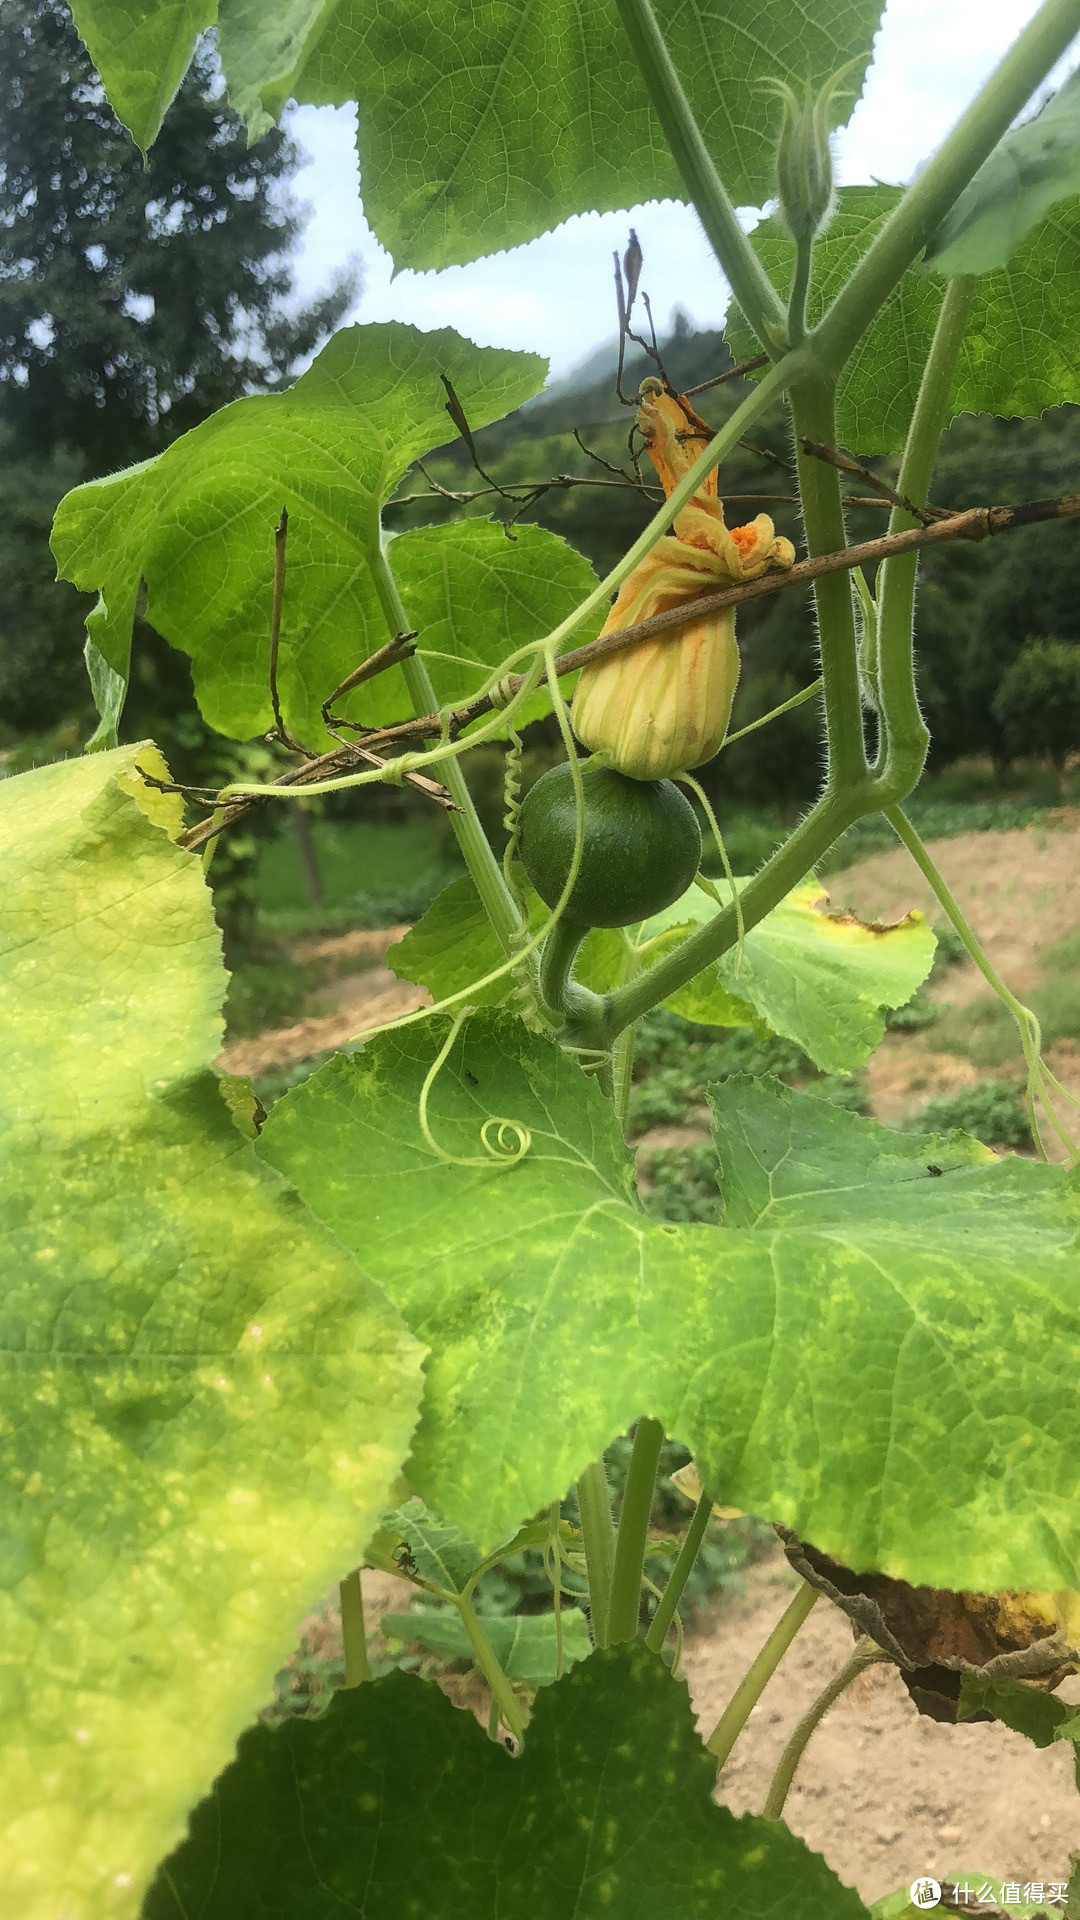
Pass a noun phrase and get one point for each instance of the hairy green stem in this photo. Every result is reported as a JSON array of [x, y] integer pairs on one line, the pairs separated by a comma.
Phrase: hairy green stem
[[932, 193], [622, 1074], [750, 283], [605, 1019], [813, 408], [557, 961], [622, 1053], [483, 1653], [594, 1503], [624, 1611], [866, 1654], [680, 1574], [904, 734], [353, 1630], [759, 1673], [487, 875], [940, 888], [800, 289]]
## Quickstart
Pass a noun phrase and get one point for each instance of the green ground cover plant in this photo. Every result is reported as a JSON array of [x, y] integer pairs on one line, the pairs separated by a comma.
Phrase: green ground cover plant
[[400, 1321], [992, 1111]]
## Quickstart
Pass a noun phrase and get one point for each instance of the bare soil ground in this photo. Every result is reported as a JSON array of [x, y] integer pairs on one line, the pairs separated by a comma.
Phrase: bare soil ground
[[884, 1793], [1019, 890]]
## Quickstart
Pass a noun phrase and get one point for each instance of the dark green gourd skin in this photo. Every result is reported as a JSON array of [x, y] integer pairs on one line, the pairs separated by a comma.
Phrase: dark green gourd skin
[[641, 850]]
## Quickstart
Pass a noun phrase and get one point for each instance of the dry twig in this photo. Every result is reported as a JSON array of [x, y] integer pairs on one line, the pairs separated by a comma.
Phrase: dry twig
[[976, 524]]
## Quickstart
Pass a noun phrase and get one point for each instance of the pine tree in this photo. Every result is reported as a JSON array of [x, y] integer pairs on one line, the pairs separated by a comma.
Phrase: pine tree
[[134, 301]]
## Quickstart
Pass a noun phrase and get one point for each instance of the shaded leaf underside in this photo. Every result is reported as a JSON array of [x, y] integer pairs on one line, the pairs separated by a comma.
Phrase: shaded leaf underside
[[470, 143], [1021, 352], [197, 524], [393, 1804]]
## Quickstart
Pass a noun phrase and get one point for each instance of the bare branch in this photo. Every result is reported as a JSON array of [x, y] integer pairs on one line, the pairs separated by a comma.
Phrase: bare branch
[[844, 463], [401, 647], [733, 373], [978, 523]]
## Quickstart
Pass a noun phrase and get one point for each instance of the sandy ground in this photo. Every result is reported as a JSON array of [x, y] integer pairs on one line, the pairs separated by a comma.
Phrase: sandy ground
[[882, 1792], [1019, 891]]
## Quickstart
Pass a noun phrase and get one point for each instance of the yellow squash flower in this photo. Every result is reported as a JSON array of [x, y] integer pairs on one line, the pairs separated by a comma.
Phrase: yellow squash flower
[[663, 706]]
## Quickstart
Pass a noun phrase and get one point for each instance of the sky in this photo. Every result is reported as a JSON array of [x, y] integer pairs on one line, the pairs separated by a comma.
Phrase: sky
[[554, 296]]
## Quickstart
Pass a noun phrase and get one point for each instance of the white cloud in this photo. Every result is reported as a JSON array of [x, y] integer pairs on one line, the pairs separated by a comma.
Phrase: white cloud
[[554, 296]]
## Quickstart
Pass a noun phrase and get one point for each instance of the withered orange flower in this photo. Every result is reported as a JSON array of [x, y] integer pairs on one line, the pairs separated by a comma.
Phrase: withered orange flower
[[663, 706]]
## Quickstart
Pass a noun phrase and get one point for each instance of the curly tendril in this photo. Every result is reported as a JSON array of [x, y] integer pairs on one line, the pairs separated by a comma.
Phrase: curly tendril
[[505, 1142], [523, 998]]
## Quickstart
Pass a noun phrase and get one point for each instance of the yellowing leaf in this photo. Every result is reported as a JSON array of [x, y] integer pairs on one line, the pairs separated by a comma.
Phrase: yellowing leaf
[[203, 1402]]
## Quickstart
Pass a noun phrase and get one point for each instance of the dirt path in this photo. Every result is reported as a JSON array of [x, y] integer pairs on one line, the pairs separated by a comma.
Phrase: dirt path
[[1019, 891], [354, 1001], [882, 1792], [1018, 888]]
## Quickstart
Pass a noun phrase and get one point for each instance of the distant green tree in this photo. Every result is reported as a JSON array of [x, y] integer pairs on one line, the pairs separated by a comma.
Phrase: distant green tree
[[135, 299], [978, 605], [1037, 705]]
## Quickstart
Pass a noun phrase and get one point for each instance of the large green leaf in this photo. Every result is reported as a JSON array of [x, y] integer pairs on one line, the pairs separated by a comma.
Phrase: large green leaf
[[204, 1402], [1028, 172], [142, 49], [473, 596], [474, 141], [1021, 352], [197, 524], [889, 1374], [395, 1803], [787, 1161], [823, 980]]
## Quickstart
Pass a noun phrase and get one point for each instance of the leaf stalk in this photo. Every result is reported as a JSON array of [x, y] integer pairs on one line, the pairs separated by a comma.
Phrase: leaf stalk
[[598, 1533], [624, 1611], [759, 1673], [750, 283]]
